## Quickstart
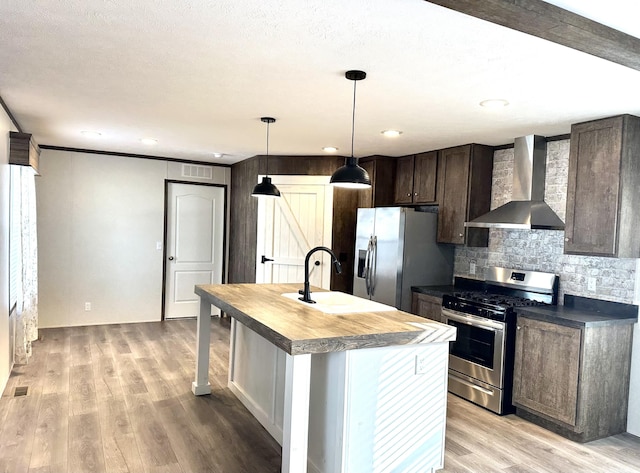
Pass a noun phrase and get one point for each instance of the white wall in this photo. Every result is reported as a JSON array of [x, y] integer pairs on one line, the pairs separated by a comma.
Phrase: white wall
[[100, 218], [5, 355]]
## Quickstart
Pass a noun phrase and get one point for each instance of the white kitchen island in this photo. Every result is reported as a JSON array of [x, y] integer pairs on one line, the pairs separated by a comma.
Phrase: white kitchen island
[[350, 392]]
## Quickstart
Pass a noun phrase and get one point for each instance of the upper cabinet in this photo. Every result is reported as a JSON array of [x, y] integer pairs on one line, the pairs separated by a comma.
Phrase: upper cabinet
[[381, 170], [416, 179], [603, 192], [464, 193]]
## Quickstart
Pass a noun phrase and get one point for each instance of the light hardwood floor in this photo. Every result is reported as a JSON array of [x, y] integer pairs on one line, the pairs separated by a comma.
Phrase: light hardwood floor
[[117, 398]]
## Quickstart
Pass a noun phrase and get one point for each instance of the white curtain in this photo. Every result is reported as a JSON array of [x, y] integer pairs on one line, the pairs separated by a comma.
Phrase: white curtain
[[27, 304]]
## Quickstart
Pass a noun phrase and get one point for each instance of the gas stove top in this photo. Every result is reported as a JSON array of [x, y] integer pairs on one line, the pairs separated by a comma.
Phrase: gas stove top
[[495, 299], [503, 292]]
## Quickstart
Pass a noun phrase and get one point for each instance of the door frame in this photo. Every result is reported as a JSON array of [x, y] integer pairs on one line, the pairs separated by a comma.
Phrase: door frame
[[303, 180], [225, 256]]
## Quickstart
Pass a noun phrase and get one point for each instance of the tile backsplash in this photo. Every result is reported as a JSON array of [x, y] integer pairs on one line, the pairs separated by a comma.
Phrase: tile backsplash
[[542, 250]]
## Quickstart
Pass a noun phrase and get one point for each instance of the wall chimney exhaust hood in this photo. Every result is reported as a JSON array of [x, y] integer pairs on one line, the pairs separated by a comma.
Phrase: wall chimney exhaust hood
[[527, 209]]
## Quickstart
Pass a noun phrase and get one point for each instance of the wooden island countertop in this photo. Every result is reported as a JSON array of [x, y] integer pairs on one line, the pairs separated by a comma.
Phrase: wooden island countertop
[[298, 329]]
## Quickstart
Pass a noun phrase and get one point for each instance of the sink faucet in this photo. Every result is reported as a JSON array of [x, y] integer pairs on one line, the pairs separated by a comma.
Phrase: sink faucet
[[306, 293]]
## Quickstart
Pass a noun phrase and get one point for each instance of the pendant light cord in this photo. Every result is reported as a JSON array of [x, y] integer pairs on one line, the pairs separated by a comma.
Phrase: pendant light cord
[[353, 116], [267, 170]]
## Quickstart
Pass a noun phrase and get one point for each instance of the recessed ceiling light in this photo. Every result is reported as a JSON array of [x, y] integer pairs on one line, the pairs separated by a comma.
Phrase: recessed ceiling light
[[494, 103], [391, 133], [149, 141], [217, 155], [329, 149], [91, 134]]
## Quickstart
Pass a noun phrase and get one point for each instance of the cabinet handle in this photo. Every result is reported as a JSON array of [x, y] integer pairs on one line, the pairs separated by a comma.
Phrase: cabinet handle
[[415, 193], [461, 235], [409, 194], [566, 239], [519, 327]]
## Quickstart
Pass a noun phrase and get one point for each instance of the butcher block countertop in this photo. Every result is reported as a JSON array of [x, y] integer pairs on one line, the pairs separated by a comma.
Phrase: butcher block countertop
[[298, 329]]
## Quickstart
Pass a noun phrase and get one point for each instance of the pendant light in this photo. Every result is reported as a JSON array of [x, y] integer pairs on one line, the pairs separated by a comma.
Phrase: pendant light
[[266, 188], [351, 175]]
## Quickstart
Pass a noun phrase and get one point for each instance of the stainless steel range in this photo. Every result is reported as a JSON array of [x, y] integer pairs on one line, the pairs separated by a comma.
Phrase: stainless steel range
[[481, 358]]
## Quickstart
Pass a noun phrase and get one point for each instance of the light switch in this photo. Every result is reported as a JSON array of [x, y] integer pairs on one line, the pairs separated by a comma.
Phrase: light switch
[[472, 268], [159, 245]]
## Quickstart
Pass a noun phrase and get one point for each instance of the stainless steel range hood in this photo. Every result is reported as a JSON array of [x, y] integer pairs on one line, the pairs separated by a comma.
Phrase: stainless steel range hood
[[527, 210]]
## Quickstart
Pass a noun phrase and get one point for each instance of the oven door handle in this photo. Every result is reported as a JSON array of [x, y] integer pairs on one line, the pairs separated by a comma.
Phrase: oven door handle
[[472, 320], [471, 385]]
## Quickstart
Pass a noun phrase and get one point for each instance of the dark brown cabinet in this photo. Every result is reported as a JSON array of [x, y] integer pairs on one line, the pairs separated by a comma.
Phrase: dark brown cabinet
[[603, 192], [416, 179], [427, 306], [574, 381], [547, 365], [381, 170], [464, 193]]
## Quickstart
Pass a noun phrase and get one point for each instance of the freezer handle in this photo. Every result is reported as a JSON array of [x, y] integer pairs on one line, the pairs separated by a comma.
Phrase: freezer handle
[[373, 256], [367, 266]]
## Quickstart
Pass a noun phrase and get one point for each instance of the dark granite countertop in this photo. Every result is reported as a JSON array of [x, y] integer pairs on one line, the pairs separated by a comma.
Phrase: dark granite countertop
[[436, 291], [459, 284], [582, 312]]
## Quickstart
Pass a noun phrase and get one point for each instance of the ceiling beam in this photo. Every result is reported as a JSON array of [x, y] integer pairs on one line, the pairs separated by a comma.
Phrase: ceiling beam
[[546, 21]]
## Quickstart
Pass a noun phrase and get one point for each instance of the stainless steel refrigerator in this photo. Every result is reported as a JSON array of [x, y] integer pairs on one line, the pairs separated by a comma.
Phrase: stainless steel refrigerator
[[395, 249]]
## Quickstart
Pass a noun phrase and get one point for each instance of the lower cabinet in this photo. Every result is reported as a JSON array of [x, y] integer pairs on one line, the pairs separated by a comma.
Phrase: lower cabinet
[[573, 380], [427, 306]]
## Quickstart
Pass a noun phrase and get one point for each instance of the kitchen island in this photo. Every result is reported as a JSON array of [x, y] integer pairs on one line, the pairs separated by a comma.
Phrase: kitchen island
[[342, 392]]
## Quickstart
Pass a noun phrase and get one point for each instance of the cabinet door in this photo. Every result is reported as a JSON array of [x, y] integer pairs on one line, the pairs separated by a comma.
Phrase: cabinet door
[[427, 306], [425, 171], [453, 176], [404, 180], [546, 369], [593, 188]]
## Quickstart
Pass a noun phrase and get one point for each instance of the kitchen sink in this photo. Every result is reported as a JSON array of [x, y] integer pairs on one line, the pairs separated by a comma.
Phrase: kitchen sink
[[336, 302]]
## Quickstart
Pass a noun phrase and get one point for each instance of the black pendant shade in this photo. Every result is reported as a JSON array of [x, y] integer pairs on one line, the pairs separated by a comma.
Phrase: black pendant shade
[[266, 188], [351, 175]]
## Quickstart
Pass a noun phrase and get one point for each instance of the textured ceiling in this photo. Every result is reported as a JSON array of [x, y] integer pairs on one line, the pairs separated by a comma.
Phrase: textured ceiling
[[197, 75]]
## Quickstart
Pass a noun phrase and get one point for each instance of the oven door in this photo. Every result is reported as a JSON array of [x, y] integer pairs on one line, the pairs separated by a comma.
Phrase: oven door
[[479, 348]]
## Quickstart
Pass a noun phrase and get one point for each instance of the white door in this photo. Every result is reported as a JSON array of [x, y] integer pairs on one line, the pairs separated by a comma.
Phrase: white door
[[194, 244], [292, 225]]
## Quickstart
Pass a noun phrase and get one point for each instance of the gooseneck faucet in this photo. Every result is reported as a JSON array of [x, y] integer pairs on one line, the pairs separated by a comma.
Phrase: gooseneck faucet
[[306, 293]]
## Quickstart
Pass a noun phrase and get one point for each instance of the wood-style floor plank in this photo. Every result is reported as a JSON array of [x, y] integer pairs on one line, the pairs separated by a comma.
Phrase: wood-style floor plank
[[117, 398], [51, 434], [153, 442], [120, 446], [85, 444], [82, 390], [18, 433]]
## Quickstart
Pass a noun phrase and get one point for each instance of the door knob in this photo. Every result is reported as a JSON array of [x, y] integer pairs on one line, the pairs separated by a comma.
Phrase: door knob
[[170, 258]]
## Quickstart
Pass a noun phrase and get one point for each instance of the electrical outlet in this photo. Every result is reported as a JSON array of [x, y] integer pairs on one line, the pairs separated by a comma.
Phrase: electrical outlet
[[472, 268], [87, 306], [421, 364], [591, 284]]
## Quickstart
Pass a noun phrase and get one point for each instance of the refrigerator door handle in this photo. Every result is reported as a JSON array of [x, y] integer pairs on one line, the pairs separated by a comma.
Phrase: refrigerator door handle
[[367, 266], [372, 264]]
